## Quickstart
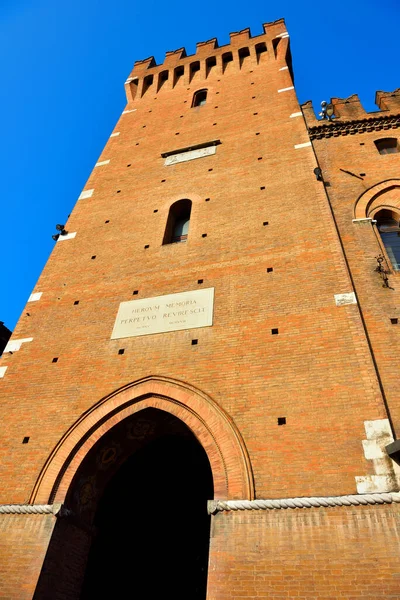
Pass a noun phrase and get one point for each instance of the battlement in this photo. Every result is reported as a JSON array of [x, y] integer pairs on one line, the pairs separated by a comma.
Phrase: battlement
[[209, 58], [350, 109]]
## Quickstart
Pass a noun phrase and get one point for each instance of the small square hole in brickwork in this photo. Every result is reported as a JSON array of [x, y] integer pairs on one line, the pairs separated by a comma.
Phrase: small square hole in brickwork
[[147, 246], [155, 210], [281, 420], [135, 292], [265, 223], [258, 133], [215, 106], [269, 269], [121, 351], [262, 187], [274, 331], [362, 174], [200, 281], [207, 199], [163, 180], [54, 360], [203, 235], [210, 169], [129, 165], [254, 114], [181, 117], [394, 321], [177, 133], [143, 126], [217, 92], [76, 302], [184, 102], [252, 83], [137, 144], [362, 143], [108, 220], [118, 191], [259, 158], [149, 110], [195, 342], [253, 97], [93, 257], [214, 123], [25, 440]]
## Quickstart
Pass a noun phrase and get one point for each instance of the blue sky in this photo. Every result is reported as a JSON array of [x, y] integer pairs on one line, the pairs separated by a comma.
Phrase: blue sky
[[64, 65]]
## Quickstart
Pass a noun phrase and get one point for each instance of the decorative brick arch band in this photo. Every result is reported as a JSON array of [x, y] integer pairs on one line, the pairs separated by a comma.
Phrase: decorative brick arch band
[[213, 428], [385, 194]]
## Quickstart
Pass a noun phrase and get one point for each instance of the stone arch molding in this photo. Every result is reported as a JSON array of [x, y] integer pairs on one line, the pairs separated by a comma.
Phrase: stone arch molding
[[214, 429], [385, 194]]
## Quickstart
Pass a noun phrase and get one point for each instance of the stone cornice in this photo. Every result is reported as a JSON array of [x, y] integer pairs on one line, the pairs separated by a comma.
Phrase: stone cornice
[[336, 128]]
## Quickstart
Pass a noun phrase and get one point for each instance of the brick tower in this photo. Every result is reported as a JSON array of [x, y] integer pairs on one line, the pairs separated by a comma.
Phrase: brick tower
[[211, 327]]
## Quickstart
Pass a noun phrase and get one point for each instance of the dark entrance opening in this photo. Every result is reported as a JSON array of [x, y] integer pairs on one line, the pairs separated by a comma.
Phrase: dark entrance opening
[[151, 522]]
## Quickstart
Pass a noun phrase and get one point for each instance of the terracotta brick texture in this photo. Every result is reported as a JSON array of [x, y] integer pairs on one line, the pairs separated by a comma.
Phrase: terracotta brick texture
[[279, 246]]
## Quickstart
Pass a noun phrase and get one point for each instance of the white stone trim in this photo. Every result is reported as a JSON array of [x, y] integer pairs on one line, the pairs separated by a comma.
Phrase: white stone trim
[[286, 89], [3, 371], [15, 345], [35, 509], [35, 297], [387, 472], [283, 68], [305, 145], [296, 114], [125, 112], [342, 299], [86, 194], [363, 220], [102, 163], [115, 134], [69, 236], [281, 35], [215, 506], [173, 159]]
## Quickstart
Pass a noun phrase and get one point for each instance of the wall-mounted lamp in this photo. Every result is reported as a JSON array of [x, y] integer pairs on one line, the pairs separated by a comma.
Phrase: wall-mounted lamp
[[327, 111], [61, 229], [318, 174]]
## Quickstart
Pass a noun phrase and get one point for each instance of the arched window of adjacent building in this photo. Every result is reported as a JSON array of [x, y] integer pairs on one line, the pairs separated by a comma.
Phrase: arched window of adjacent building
[[199, 98], [388, 223], [387, 145], [177, 228]]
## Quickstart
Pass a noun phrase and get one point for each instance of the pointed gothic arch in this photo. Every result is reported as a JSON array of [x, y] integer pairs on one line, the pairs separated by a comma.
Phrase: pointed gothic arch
[[383, 195], [213, 428]]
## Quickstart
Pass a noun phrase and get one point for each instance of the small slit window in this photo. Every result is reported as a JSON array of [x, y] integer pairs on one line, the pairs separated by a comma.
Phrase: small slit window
[[227, 57], [388, 223], [194, 68], [387, 145], [147, 82], [199, 98], [177, 228], [243, 54], [210, 64], [178, 73], [162, 78], [260, 49]]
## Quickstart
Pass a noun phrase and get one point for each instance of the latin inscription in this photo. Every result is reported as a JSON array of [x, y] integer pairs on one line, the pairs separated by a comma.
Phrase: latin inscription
[[187, 310]]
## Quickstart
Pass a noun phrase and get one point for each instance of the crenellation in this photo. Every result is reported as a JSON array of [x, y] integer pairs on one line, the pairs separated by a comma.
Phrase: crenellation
[[388, 100], [179, 68]]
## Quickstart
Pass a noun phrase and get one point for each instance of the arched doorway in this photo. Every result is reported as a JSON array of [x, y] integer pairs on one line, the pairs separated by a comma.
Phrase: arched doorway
[[142, 492]]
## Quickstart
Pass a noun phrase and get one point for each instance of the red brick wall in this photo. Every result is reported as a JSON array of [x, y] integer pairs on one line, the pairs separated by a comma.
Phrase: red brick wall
[[23, 545], [308, 554]]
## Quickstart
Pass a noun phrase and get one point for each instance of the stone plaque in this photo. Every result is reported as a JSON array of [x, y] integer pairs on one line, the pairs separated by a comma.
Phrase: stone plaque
[[172, 159], [342, 299], [187, 310]]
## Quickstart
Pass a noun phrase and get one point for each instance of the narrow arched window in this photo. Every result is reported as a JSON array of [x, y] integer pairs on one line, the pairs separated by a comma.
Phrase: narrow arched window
[[199, 98], [388, 226], [177, 227], [387, 145]]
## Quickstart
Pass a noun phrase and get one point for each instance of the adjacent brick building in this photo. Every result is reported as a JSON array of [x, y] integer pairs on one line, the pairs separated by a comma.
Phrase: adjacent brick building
[[211, 325]]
